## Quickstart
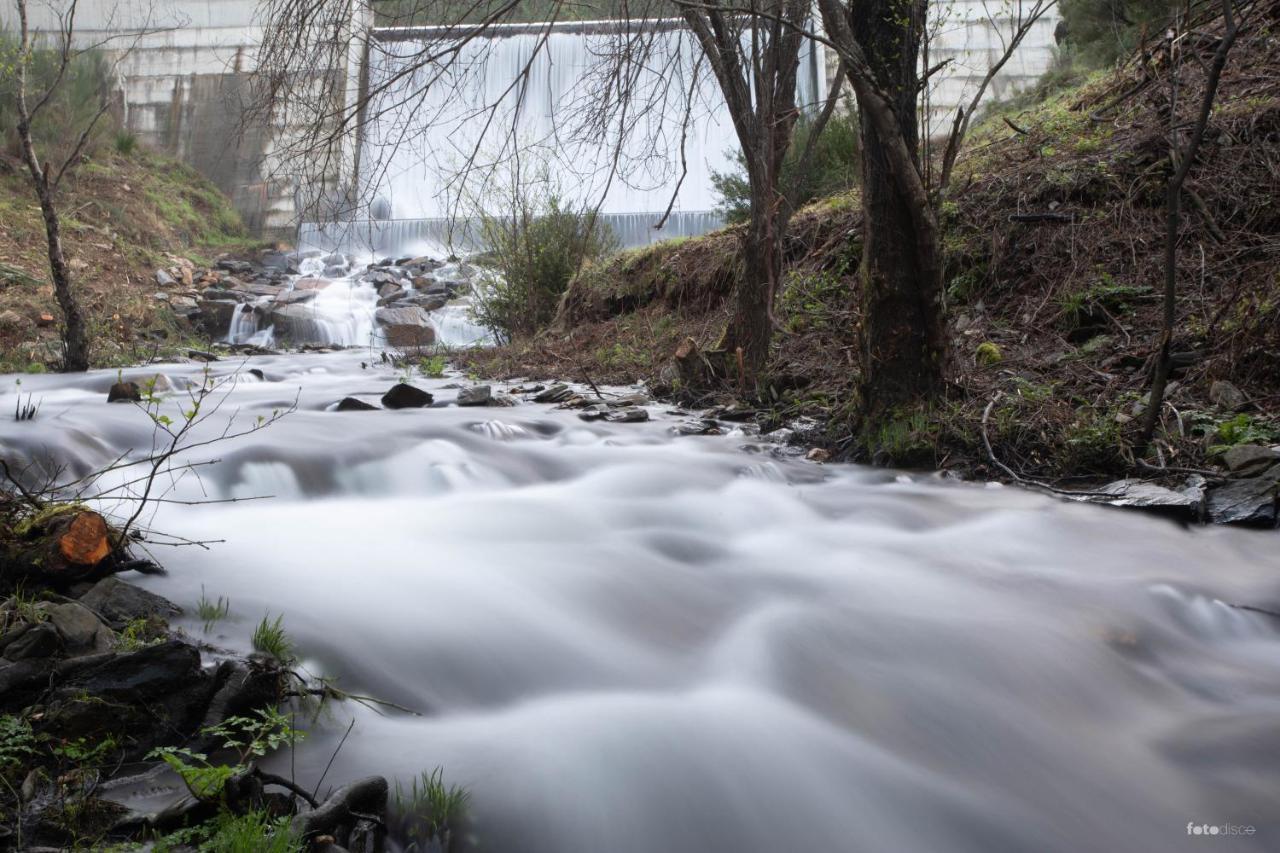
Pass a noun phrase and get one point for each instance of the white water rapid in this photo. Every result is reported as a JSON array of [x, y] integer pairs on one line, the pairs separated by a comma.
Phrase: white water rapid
[[344, 307], [627, 641]]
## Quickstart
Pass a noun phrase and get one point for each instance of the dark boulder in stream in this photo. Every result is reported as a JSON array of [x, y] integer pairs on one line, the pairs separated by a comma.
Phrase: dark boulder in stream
[[406, 396], [124, 392], [353, 404]]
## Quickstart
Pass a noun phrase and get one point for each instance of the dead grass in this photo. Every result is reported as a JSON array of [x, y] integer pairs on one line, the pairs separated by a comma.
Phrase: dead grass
[[123, 216]]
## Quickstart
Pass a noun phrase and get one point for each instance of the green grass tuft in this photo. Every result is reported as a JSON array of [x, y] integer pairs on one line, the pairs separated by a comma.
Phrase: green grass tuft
[[271, 639], [211, 612], [428, 810]]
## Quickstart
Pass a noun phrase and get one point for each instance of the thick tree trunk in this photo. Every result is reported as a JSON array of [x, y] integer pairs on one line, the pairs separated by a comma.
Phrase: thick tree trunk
[[903, 331], [750, 331]]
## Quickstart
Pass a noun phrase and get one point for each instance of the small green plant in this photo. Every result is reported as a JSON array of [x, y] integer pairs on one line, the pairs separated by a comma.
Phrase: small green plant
[[1242, 429], [17, 742], [249, 737], [252, 832], [83, 753], [23, 608], [816, 301], [138, 634], [988, 354], [428, 810], [433, 366], [212, 612], [271, 639], [125, 142]]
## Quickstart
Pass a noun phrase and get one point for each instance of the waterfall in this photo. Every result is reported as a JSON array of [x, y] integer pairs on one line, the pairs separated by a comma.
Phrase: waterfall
[[525, 103]]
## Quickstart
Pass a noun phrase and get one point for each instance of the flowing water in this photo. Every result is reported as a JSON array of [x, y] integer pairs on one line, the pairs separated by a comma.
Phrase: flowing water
[[342, 313], [622, 640]]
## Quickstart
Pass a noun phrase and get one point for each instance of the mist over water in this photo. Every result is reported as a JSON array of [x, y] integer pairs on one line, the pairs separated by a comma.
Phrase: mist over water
[[627, 641]]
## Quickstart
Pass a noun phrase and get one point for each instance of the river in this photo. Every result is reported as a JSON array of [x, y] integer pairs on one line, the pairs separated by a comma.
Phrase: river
[[629, 641]]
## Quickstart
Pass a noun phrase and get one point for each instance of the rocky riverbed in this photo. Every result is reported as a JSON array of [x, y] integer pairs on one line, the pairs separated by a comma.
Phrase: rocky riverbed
[[311, 297]]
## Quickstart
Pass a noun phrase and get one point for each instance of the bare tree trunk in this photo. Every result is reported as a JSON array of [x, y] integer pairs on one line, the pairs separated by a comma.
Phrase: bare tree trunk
[[75, 337], [1181, 161]]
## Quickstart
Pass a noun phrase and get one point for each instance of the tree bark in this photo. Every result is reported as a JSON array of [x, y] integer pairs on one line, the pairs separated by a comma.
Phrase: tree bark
[[75, 337], [903, 335], [759, 88]]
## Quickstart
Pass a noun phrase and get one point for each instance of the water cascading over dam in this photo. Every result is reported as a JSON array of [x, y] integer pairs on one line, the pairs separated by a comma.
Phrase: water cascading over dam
[[525, 102]]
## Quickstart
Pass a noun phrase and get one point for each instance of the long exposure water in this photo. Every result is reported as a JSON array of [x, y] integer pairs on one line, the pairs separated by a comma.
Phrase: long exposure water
[[623, 640]]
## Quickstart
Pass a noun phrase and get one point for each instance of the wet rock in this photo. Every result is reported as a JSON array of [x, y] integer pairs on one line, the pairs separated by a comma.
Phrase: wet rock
[[732, 412], [391, 291], [352, 404], [594, 413], [818, 454], [272, 291], [1144, 495], [557, 393], [805, 430], [18, 677], [119, 603], [425, 301], [311, 284], [697, 426], [79, 627], [1250, 502], [235, 266], [405, 396], [297, 321], [216, 314], [149, 672], [1244, 459], [476, 395], [1225, 395], [38, 641], [628, 416], [406, 328], [295, 297], [779, 436], [124, 392]]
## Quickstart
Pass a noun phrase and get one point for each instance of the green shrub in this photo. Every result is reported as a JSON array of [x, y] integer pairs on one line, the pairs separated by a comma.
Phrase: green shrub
[[535, 252], [1104, 31], [836, 166], [126, 143], [85, 88]]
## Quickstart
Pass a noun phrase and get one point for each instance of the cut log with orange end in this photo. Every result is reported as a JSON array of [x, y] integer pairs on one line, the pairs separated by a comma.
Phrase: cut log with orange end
[[85, 542]]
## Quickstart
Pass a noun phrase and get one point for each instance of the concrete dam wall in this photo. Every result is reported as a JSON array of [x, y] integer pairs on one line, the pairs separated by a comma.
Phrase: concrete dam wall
[[183, 86]]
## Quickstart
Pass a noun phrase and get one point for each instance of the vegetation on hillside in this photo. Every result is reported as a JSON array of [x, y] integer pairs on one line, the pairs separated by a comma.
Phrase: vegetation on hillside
[[131, 213], [1052, 247]]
